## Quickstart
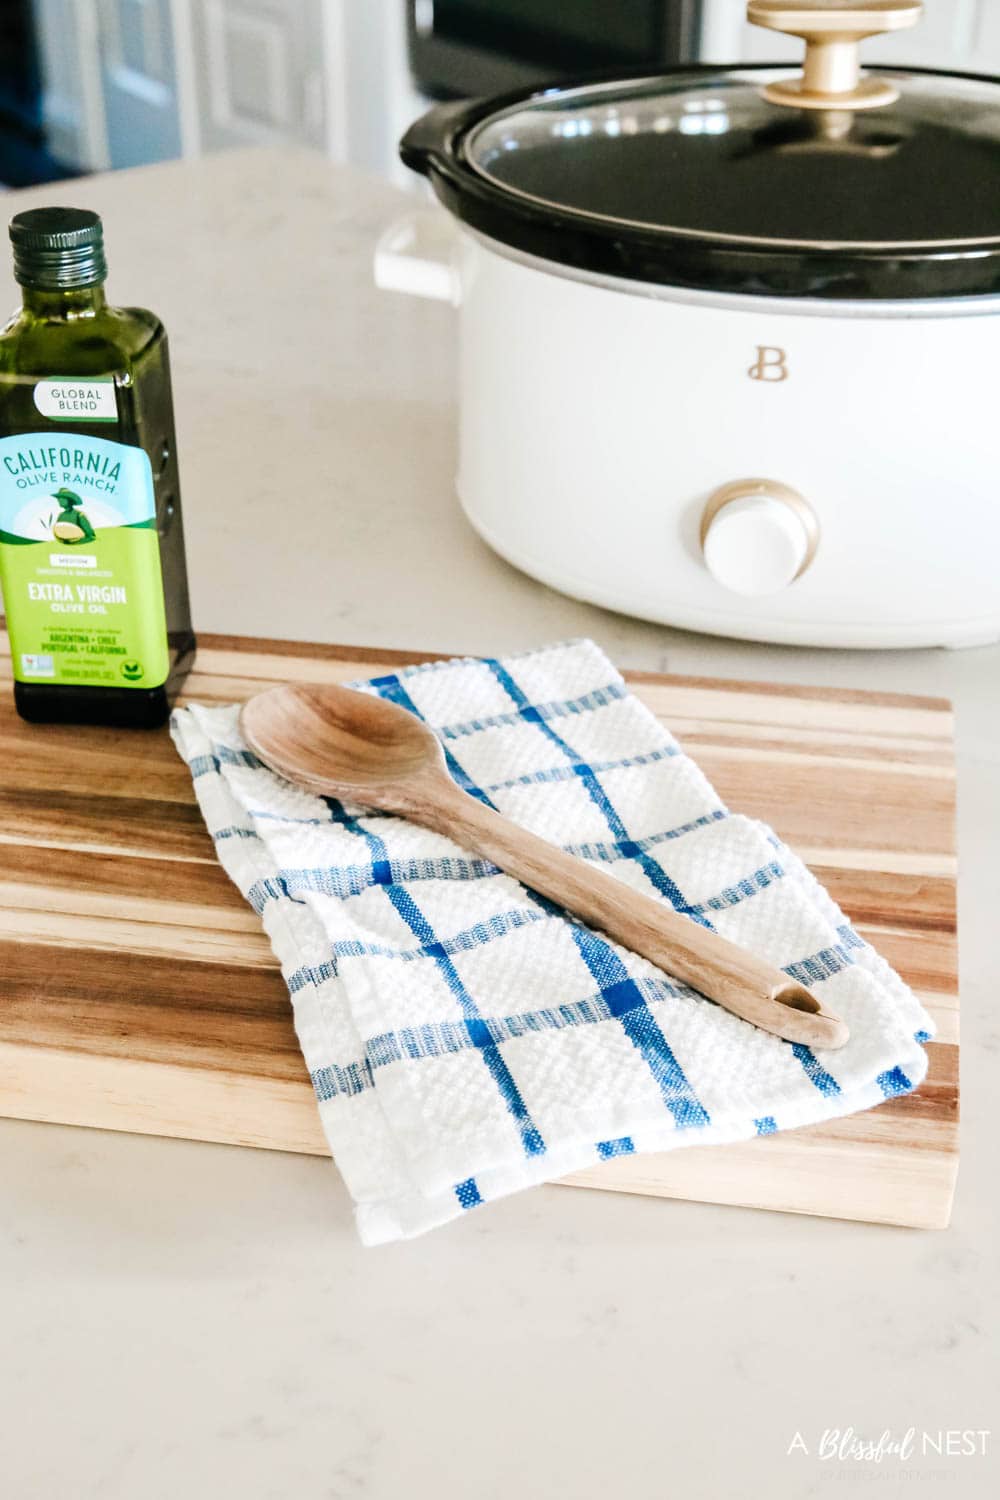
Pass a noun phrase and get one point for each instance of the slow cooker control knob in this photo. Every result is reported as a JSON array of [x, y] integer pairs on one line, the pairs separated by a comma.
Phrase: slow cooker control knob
[[758, 536]]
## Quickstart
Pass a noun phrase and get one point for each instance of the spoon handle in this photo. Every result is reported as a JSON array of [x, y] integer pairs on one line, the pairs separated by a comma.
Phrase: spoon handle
[[748, 986]]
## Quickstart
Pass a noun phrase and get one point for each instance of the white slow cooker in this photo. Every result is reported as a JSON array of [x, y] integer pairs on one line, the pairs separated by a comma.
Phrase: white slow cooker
[[729, 340]]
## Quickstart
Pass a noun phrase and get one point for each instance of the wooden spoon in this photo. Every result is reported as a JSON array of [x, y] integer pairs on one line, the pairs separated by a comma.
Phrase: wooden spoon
[[341, 743]]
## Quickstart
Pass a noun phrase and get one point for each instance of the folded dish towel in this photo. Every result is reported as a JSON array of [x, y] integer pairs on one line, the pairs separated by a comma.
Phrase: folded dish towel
[[463, 1039]]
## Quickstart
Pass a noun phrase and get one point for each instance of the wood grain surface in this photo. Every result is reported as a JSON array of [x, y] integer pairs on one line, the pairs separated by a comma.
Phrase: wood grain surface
[[138, 991]]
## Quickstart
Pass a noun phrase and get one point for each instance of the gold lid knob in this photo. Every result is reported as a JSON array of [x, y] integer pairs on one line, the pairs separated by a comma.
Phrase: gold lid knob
[[832, 31]]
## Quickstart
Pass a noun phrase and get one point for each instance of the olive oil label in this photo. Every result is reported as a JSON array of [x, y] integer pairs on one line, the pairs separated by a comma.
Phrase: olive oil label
[[80, 562], [66, 399]]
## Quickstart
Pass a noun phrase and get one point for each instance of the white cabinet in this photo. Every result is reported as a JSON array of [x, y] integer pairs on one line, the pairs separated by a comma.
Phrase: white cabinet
[[138, 81], [134, 81], [258, 68], [69, 47]]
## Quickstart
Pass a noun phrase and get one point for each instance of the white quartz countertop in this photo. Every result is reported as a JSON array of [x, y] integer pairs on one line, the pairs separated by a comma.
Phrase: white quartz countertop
[[194, 1320]]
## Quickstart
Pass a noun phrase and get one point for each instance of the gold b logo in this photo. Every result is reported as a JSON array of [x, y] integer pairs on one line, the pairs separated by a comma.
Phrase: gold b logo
[[769, 364]]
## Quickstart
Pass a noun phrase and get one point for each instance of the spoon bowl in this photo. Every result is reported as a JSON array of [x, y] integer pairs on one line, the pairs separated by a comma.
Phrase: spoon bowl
[[335, 740]]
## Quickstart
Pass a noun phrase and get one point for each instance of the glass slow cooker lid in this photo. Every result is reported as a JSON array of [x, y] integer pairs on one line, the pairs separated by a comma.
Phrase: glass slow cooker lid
[[719, 159], [695, 178]]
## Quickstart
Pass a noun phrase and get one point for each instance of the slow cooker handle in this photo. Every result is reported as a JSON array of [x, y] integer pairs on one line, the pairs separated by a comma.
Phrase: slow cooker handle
[[831, 73], [418, 254], [429, 142]]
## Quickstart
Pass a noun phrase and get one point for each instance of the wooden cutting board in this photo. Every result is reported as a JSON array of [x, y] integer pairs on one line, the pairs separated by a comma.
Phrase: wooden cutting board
[[138, 991]]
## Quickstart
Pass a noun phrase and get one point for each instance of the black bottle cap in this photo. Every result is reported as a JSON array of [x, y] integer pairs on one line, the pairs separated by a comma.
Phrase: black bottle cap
[[58, 249]]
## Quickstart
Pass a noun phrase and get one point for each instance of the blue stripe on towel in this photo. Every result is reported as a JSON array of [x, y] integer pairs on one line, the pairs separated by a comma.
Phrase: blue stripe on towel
[[814, 1069], [468, 1193], [821, 965], [749, 886], [624, 1146], [332, 1080], [439, 1038], [566, 773], [224, 754], [392, 689], [201, 765], [626, 1001], [561, 709], [893, 1083], [312, 974], [623, 996], [350, 880], [461, 942], [530, 715], [617, 848]]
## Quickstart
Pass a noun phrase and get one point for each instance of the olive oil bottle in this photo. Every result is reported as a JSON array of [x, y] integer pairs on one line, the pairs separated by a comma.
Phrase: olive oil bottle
[[91, 543]]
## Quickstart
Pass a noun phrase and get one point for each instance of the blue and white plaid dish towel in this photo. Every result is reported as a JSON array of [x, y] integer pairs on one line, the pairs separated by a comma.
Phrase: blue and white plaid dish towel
[[463, 1039]]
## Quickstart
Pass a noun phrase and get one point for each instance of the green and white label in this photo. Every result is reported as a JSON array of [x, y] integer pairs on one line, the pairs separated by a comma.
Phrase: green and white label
[[73, 400], [80, 562]]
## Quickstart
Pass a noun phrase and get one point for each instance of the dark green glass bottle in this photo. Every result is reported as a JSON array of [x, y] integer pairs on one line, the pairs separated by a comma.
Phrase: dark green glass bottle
[[91, 542]]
